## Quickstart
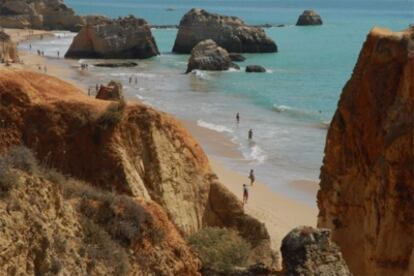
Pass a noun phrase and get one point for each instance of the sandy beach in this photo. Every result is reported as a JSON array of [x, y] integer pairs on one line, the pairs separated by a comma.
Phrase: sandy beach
[[280, 214]]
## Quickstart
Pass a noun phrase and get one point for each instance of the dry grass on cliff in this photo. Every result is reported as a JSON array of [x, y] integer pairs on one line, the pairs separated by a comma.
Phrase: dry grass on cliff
[[220, 249]]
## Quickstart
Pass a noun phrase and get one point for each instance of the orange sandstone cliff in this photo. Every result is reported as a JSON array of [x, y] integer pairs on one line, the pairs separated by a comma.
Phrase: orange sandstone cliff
[[366, 191], [129, 149]]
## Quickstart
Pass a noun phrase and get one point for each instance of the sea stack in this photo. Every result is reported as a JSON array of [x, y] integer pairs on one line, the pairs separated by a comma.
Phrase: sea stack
[[206, 55], [39, 14], [123, 38], [229, 32], [366, 191], [309, 18]]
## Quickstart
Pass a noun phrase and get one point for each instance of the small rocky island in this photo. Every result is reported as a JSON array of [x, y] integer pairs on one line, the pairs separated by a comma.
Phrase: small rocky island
[[206, 55], [122, 38], [229, 32], [309, 18]]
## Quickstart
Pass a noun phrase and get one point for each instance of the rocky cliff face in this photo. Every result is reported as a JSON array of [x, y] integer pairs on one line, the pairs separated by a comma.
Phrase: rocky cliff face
[[229, 32], [131, 149], [309, 251], [39, 14], [127, 37], [8, 49], [366, 191]]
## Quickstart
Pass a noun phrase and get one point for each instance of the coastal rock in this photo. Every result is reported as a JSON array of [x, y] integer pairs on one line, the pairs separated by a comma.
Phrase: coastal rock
[[112, 91], [122, 38], [309, 251], [309, 17], [129, 149], [366, 191], [116, 64], [8, 49], [38, 14], [206, 55], [229, 32], [255, 69], [237, 57]]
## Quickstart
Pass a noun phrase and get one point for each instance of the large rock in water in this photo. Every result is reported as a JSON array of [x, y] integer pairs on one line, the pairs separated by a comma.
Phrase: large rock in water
[[127, 37], [309, 17], [309, 251], [366, 191], [129, 149], [228, 32], [206, 55], [39, 14]]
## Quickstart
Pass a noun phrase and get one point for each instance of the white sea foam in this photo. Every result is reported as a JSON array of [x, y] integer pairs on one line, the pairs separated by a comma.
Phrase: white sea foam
[[200, 74], [255, 153], [282, 108], [139, 97], [218, 128]]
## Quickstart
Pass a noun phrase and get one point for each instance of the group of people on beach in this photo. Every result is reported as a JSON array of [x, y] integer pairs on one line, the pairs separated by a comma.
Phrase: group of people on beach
[[135, 80]]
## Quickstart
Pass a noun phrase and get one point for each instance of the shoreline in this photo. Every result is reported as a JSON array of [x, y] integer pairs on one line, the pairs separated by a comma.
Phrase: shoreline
[[279, 213]]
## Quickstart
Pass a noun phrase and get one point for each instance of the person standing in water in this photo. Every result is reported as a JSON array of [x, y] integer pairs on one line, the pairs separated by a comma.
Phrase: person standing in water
[[251, 177], [245, 194], [250, 134], [238, 117]]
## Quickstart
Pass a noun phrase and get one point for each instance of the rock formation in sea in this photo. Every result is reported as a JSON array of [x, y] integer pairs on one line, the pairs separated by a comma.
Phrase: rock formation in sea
[[128, 149], [113, 91], [38, 14], [8, 49], [309, 17], [206, 55], [229, 32], [255, 69], [236, 57], [122, 38], [309, 251], [366, 191]]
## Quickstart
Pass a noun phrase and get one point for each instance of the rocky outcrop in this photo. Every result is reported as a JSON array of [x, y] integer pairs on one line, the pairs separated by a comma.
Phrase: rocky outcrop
[[206, 55], [309, 251], [8, 49], [255, 69], [366, 191], [229, 32], [309, 17], [127, 37], [50, 226], [113, 91], [129, 149], [116, 64], [237, 57], [38, 14]]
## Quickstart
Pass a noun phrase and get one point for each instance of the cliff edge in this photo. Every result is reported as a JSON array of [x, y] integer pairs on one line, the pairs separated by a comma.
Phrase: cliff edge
[[366, 191]]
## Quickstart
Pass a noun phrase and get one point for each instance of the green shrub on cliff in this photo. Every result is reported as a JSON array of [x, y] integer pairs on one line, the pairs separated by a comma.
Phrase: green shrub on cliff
[[220, 249]]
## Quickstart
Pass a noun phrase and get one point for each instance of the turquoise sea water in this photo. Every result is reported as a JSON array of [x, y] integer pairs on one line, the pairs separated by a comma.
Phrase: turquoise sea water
[[288, 106]]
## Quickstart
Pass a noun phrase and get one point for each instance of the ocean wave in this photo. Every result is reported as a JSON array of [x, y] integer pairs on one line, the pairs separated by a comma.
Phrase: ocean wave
[[255, 153], [139, 97], [200, 74], [218, 128]]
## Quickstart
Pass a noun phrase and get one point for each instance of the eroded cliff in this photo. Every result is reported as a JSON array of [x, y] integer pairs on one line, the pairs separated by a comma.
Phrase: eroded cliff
[[366, 191], [130, 149]]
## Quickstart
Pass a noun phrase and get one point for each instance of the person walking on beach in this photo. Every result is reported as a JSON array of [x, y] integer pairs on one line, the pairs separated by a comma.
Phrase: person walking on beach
[[130, 80], [245, 194], [238, 117], [251, 177], [58, 53], [30, 46], [250, 134], [136, 80]]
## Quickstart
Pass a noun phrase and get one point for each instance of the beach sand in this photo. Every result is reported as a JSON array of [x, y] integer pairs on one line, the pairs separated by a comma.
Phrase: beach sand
[[280, 214]]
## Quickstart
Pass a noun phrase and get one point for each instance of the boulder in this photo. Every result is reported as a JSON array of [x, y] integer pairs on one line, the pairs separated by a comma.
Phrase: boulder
[[229, 32], [255, 69], [366, 193], [123, 38], [236, 57], [208, 56], [309, 17], [309, 251], [113, 92], [39, 14]]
